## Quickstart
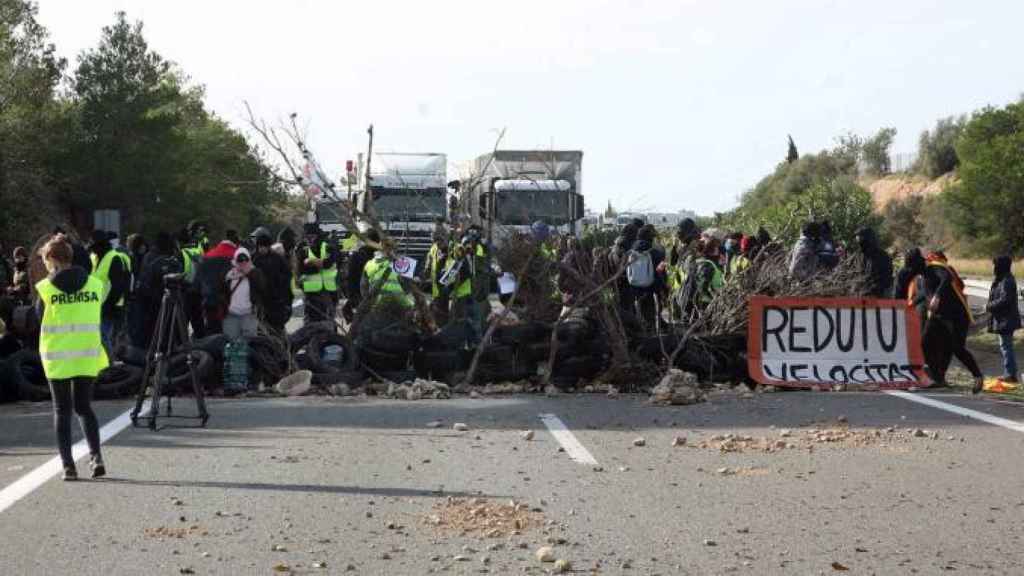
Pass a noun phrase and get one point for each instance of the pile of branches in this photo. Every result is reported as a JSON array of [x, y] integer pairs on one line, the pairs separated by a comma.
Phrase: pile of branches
[[768, 275], [535, 276]]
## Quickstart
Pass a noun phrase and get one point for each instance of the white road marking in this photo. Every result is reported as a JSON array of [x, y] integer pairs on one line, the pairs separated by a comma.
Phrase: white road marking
[[29, 482], [568, 440], [988, 418]]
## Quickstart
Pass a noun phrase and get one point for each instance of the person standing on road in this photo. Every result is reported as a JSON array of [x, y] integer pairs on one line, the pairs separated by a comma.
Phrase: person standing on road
[[277, 275], [318, 273], [158, 263], [1004, 309], [243, 292], [113, 268], [949, 318], [71, 348]]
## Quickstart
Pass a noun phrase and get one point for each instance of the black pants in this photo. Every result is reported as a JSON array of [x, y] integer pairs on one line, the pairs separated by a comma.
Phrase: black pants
[[74, 394], [941, 342]]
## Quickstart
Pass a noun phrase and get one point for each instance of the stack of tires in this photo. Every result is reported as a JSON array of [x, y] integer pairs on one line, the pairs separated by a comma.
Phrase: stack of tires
[[514, 352], [582, 350], [388, 351], [330, 356], [441, 355]]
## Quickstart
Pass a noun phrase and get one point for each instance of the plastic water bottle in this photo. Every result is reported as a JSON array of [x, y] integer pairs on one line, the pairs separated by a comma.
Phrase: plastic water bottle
[[332, 354]]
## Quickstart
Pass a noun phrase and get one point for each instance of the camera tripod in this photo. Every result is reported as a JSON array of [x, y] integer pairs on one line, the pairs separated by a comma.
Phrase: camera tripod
[[171, 336]]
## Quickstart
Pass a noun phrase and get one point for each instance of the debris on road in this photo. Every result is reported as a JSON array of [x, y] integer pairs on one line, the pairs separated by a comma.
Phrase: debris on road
[[435, 424], [460, 427], [679, 441], [418, 389], [489, 519], [677, 388], [545, 554], [562, 566], [179, 533], [639, 442], [527, 435], [807, 439]]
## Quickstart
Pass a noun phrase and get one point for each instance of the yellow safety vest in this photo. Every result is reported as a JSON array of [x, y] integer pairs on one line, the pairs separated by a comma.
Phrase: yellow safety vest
[[349, 244], [391, 288], [739, 264], [70, 345], [326, 280], [101, 269], [717, 281], [190, 257], [465, 288], [434, 261]]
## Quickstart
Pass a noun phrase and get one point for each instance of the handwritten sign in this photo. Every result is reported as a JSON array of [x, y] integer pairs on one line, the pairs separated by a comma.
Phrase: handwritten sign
[[405, 266], [823, 342]]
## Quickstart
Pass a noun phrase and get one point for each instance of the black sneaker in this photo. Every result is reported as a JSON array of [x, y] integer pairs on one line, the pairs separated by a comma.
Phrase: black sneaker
[[98, 469], [70, 474]]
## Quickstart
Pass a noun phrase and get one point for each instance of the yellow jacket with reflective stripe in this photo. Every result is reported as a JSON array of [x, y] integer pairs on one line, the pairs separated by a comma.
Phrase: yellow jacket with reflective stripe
[[101, 269], [69, 337], [433, 263], [324, 280], [465, 288], [391, 287]]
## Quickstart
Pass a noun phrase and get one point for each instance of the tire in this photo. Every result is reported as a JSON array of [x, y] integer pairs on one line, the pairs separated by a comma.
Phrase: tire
[[177, 370], [379, 361], [574, 332], [450, 337], [498, 356], [131, 355], [213, 344], [436, 364], [520, 334], [25, 375], [8, 390], [314, 353], [537, 352], [577, 368], [650, 347], [395, 340], [115, 381], [267, 357], [301, 337]]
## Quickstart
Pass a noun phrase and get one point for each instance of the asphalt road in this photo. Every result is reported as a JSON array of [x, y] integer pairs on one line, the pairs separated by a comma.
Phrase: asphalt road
[[349, 486]]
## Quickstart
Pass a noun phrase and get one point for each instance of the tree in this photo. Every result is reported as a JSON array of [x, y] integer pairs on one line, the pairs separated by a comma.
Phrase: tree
[[875, 152], [988, 204], [937, 148], [903, 221], [792, 155], [29, 120]]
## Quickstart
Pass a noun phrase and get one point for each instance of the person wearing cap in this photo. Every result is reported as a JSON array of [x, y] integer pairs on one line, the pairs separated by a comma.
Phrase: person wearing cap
[[113, 268], [70, 308], [277, 275], [318, 274]]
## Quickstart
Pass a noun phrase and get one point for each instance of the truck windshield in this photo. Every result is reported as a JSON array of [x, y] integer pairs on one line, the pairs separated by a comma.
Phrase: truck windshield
[[409, 205], [524, 207], [328, 213]]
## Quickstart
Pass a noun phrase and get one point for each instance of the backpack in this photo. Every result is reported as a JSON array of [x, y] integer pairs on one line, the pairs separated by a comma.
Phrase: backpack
[[640, 270]]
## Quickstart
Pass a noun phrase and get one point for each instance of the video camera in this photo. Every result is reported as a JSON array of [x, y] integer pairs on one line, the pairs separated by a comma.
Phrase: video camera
[[176, 280]]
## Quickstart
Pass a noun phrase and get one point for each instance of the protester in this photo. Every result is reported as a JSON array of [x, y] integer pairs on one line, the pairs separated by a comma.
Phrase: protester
[[731, 251], [646, 285], [381, 283], [949, 318], [877, 264], [619, 258], [318, 274], [909, 284], [828, 252], [210, 274], [435, 269], [21, 288], [803, 263], [354, 275], [6, 272], [705, 280], [1004, 309], [71, 348], [277, 276], [160, 262], [462, 268], [113, 270], [243, 289]]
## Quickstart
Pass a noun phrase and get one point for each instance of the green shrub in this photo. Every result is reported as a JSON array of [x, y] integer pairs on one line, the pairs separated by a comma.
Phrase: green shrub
[[937, 148]]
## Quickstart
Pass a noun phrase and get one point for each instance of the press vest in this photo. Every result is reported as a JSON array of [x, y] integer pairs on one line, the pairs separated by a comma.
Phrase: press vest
[[434, 261], [101, 269], [324, 280], [70, 345], [390, 287]]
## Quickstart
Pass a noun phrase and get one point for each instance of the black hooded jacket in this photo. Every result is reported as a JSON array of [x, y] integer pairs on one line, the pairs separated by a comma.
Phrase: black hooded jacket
[[877, 264], [1003, 304]]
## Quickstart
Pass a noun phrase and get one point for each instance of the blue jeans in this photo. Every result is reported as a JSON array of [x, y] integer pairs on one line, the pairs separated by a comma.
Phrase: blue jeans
[[1009, 356]]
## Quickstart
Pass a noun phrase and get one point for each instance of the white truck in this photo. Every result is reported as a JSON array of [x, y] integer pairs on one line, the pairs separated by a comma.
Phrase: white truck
[[512, 189]]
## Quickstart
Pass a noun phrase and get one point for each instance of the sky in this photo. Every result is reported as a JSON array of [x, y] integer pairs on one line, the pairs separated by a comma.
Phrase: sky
[[676, 104]]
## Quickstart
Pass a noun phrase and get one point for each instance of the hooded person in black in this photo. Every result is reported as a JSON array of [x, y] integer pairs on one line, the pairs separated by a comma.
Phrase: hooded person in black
[[354, 275], [277, 274], [948, 320], [159, 262], [623, 244], [645, 299], [877, 264], [1004, 309]]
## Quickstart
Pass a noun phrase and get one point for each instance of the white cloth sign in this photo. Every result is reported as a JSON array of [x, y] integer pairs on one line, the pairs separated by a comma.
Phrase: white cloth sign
[[405, 266], [855, 342], [506, 283]]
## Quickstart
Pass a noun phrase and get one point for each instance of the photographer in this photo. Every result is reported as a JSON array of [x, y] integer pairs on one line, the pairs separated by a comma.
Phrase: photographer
[[71, 347], [157, 264]]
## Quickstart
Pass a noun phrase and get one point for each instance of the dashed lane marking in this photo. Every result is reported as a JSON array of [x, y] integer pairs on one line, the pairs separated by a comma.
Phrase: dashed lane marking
[[568, 440], [952, 408]]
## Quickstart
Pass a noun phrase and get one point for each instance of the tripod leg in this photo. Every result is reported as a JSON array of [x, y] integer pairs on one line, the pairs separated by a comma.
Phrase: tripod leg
[[149, 367]]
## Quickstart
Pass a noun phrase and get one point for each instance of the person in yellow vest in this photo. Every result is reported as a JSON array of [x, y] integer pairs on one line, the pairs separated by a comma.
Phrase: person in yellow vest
[[318, 274], [383, 284], [71, 348], [436, 259], [113, 268], [462, 272], [705, 280]]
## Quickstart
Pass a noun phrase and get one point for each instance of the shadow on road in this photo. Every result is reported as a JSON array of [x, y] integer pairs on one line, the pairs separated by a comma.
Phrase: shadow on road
[[314, 488]]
